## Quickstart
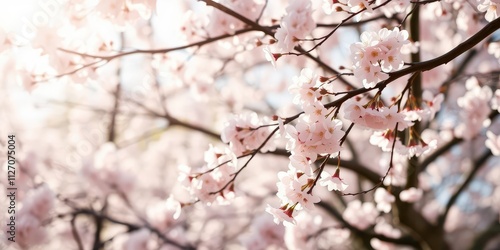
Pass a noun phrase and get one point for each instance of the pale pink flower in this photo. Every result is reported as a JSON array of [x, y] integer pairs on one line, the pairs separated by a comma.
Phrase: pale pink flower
[[297, 24], [293, 189], [332, 182], [491, 7], [270, 56], [286, 40], [303, 88], [281, 215], [378, 53], [433, 102]]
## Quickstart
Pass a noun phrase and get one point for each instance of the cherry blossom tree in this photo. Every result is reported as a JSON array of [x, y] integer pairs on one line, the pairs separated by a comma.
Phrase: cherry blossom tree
[[256, 124]]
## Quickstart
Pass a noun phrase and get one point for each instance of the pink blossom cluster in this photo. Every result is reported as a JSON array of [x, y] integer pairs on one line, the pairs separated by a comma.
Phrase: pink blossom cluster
[[377, 54], [246, 132], [315, 134], [375, 116], [296, 25], [207, 183]]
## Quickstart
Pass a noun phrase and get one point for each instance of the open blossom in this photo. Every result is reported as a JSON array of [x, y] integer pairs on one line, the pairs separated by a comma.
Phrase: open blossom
[[310, 138], [332, 182], [294, 189], [491, 7], [281, 215], [433, 103], [304, 88], [297, 24], [378, 53], [270, 56]]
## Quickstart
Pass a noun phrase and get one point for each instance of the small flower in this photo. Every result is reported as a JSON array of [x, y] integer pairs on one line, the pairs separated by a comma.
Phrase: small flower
[[281, 215], [332, 182], [270, 56]]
